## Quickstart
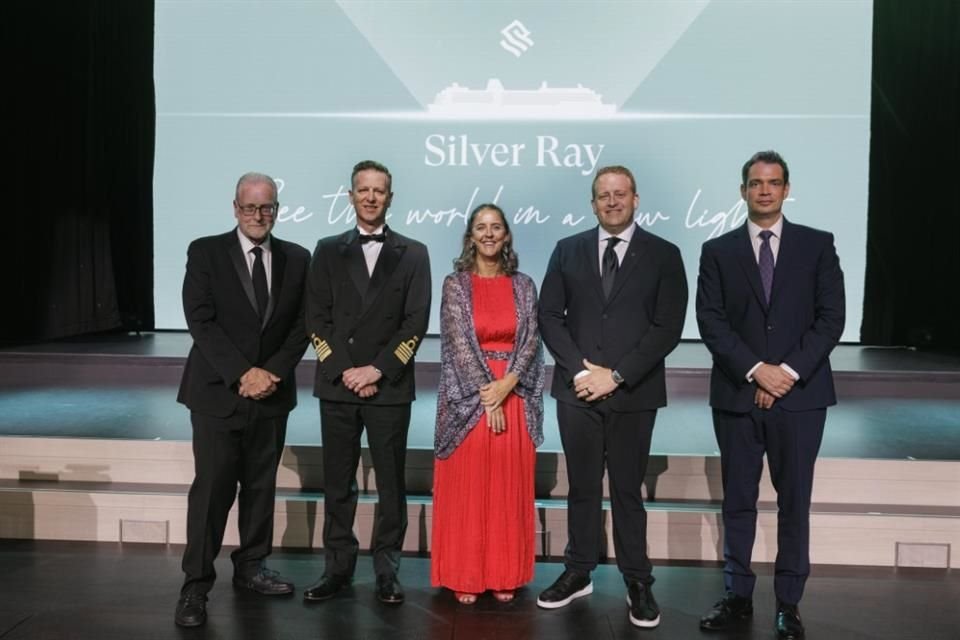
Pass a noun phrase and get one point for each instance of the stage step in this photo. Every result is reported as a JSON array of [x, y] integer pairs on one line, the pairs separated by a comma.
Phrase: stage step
[[669, 478], [866, 512]]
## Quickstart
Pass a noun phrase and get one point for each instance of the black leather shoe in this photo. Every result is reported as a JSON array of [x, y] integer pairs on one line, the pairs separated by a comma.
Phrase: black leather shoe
[[389, 590], [644, 611], [567, 588], [787, 623], [191, 610], [326, 588], [266, 582], [726, 613]]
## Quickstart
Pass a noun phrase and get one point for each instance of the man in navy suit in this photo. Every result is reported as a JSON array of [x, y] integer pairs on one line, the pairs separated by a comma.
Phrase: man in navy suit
[[243, 301], [612, 307], [770, 306], [368, 304]]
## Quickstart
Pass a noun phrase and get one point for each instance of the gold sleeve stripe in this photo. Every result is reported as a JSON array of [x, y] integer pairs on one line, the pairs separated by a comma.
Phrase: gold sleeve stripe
[[405, 350], [321, 347]]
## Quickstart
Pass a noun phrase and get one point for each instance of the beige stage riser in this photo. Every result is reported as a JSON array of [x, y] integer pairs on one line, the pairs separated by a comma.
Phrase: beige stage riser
[[669, 478], [849, 539], [682, 380]]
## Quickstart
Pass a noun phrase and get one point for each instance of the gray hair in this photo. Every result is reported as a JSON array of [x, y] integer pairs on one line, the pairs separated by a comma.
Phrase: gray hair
[[254, 177]]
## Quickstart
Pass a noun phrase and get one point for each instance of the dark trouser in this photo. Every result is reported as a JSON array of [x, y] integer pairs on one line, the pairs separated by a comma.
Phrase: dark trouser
[[341, 425], [791, 440], [591, 437], [227, 453]]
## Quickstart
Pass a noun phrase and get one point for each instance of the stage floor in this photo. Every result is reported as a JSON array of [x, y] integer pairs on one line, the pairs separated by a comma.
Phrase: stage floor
[[125, 387], [107, 591]]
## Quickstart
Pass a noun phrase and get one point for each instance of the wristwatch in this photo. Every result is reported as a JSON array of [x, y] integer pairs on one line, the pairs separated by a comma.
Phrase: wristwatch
[[616, 377]]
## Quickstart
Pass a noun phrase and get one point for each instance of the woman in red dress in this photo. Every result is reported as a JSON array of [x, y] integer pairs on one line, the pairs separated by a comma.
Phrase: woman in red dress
[[489, 418]]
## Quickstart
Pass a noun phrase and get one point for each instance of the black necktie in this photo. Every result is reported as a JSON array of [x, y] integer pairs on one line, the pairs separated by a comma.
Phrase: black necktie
[[765, 262], [260, 280], [371, 237], [610, 266]]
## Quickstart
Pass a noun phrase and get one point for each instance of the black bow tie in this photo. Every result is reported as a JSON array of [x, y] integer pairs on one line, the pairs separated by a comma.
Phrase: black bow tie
[[371, 237]]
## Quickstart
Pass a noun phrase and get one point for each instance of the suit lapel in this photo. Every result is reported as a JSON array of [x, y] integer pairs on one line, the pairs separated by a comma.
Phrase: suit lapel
[[390, 254], [591, 252], [748, 261], [279, 263], [352, 255], [630, 260], [239, 261], [785, 256]]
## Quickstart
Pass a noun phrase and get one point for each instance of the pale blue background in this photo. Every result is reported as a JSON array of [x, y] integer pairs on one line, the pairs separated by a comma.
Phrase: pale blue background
[[303, 90]]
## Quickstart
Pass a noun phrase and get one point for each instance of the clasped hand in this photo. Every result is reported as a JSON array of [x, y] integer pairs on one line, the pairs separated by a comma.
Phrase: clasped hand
[[496, 420], [492, 396], [494, 393], [257, 383], [596, 384], [773, 379], [362, 380]]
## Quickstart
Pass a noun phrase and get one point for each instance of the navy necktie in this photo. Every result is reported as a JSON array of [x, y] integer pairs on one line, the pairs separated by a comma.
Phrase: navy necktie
[[260, 281], [610, 266], [765, 262]]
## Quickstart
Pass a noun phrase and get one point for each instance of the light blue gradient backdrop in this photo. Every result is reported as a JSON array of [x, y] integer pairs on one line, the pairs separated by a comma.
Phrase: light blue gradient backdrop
[[303, 90]]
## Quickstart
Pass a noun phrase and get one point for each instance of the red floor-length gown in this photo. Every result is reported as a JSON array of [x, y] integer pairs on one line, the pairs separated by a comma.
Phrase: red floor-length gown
[[483, 513]]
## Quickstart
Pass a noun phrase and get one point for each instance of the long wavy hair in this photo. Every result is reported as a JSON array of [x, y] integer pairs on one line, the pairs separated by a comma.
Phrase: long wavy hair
[[467, 261]]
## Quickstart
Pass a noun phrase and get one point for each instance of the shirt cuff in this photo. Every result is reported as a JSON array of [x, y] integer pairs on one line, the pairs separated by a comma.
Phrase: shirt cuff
[[753, 369], [788, 369], [581, 374]]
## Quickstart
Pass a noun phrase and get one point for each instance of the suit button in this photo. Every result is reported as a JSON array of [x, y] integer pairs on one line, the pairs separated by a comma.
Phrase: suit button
[[769, 327], [349, 340], [604, 316]]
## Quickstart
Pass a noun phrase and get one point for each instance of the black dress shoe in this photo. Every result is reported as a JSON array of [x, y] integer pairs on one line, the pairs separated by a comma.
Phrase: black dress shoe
[[266, 582], [326, 588], [787, 623], [727, 612], [389, 590], [191, 610]]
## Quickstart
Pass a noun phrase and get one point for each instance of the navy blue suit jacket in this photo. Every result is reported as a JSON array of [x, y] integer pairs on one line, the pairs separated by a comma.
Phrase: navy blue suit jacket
[[799, 327]]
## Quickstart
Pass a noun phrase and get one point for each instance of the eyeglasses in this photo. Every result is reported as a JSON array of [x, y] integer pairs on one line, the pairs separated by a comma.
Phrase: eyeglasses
[[266, 210]]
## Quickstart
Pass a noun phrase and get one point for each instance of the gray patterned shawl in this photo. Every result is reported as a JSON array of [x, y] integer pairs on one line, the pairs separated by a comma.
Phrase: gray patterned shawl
[[463, 368]]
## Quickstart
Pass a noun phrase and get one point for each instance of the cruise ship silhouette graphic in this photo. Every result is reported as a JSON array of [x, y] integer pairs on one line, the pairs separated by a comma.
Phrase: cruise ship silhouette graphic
[[496, 101]]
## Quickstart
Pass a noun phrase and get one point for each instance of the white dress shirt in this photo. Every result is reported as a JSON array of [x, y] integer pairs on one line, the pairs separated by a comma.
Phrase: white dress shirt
[[246, 244], [756, 240], [621, 248], [371, 250]]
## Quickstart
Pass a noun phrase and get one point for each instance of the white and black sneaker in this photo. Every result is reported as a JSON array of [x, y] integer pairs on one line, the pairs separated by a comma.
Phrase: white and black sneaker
[[643, 609], [568, 587]]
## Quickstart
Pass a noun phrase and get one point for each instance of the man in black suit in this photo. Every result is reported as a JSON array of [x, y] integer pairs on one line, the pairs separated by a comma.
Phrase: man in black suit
[[770, 306], [243, 301], [612, 307], [368, 304]]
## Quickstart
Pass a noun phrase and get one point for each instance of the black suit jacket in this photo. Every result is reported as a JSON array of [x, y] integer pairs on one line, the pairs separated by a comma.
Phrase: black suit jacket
[[800, 326], [355, 319], [631, 332], [228, 334]]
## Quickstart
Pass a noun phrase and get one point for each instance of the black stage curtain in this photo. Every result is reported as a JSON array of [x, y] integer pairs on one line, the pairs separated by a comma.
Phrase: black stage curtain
[[82, 137], [81, 255], [913, 258]]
